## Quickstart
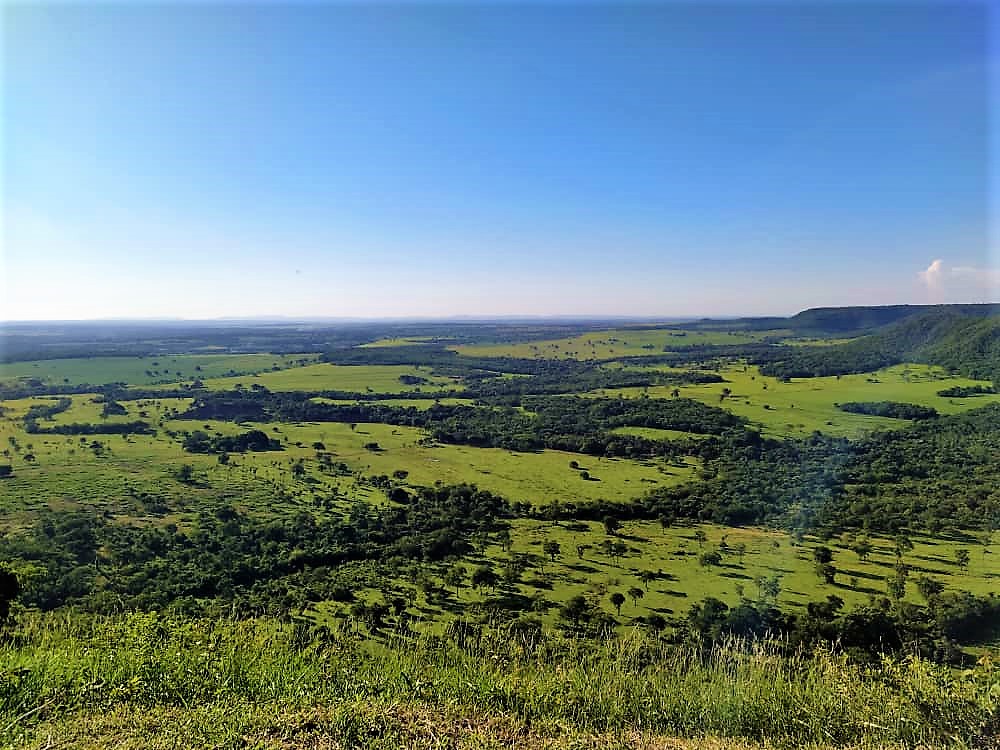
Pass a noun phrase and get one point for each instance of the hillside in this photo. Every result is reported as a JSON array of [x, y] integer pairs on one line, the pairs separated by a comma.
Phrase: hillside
[[949, 337]]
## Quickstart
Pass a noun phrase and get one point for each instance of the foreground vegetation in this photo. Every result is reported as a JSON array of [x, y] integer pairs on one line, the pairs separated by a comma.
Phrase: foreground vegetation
[[254, 683]]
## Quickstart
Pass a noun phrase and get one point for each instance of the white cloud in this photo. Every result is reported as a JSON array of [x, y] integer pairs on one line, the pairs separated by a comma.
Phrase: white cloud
[[931, 276], [945, 282]]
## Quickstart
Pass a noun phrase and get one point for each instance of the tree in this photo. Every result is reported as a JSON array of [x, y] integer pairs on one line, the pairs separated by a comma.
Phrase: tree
[[657, 623], [903, 545], [618, 550], [455, 577], [585, 475], [863, 548], [618, 599], [503, 539], [962, 558], [576, 610], [635, 594], [701, 537], [709, 559], [741, 550], [827, 572], [483, 576], [647, 577], [552, 549], [611, 525], [768, 587], [185, 473], [823, 555], [930, 589]]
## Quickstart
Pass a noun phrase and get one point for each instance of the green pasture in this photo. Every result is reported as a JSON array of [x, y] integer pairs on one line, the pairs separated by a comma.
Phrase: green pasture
[[655, 433], [621, 342], [541, 477], [392, 342], [418, 403], [804, 405], [672, 554], [61, 472], [352, 378], [169, 368]]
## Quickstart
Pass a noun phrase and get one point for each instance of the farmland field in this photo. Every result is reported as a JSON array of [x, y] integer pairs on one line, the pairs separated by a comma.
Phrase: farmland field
[[583, 566], [170, 368], [350, 378], [803, 405], [622, 342]]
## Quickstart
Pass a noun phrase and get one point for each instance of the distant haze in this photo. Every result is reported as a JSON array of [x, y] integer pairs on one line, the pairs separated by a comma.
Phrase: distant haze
[[318, 160]]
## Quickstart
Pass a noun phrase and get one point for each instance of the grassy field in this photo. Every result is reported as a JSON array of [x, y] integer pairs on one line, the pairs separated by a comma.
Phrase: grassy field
[[656, 433], [541, 477], [65, 472], [682, 581], [418, 403], [153, 681], [622, 342], [147, 370], [407, 341], [803, 405], [352, 378]]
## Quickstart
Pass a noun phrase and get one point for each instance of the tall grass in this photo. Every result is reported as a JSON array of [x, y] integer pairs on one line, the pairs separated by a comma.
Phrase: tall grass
[[65, 665]]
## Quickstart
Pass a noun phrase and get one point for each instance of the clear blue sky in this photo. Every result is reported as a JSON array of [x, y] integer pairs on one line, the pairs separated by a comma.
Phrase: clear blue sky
[[311, 159]]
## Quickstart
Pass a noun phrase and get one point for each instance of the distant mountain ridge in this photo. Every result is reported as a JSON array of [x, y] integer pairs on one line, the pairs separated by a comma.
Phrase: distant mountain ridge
[[845, 320], [963, 338]]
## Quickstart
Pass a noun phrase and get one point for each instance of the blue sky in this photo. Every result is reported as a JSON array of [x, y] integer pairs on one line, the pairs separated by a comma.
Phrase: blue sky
[[205, 160]]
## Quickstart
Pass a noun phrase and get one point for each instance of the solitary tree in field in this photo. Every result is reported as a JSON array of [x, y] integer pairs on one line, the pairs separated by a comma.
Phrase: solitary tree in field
[[503, 539], [455, 577], [552, 549], [647, 577], [962, 558], [863, 548], [635, 594], [709, 559], [484, 576], [576, 610], [827, 572], [618, 599], [611, 525], [701, 537], [823, 555], [618, 550]]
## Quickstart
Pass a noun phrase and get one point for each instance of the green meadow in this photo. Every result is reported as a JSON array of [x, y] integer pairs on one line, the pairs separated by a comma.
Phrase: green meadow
[[540, 477], [582, 566], [804, 405], [351, 378], [402, 403], [621, 342], [168, 368], [64, 471]]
